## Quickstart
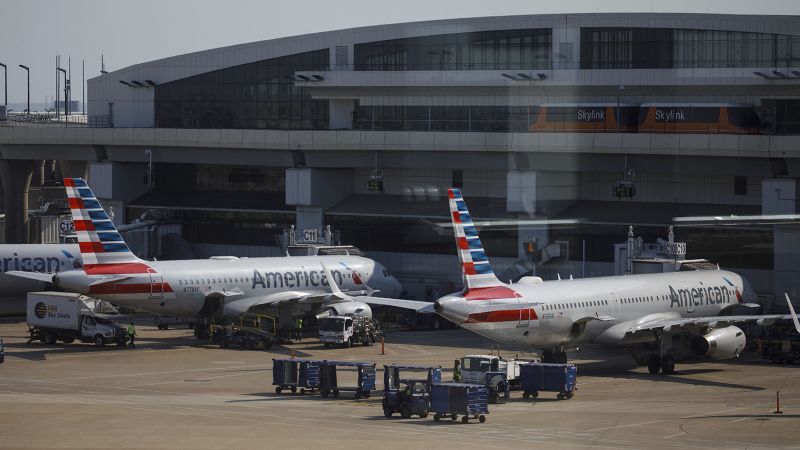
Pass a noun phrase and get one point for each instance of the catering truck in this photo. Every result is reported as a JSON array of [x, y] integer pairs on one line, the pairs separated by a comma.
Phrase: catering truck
[[65, 317]]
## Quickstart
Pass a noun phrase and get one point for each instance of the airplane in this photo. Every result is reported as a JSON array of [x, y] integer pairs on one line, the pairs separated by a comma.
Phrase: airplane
[[661, 317], [219, 287], [43, 258]]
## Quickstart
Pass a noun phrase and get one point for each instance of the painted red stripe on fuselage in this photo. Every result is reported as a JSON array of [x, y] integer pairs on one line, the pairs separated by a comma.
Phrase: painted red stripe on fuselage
[[506, 315], [117, 269], [117, 288], [490, 293], [75, 203], [456, 217], [69, 182], [463, 244]]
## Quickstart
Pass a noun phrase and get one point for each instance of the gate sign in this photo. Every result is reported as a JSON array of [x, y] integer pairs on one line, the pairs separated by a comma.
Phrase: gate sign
[[66, 226], [310, 235]]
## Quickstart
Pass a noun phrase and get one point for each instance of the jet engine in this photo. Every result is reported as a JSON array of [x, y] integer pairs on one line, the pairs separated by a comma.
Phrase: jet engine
[[346, 309], [721, 343]]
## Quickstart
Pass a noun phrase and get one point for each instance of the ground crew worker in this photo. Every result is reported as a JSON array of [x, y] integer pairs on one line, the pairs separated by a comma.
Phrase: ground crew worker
[[131, 335], [298, 328], [457, 371]]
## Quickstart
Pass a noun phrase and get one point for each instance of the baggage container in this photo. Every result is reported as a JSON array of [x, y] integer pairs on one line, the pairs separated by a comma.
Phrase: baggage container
[[295, 374], [453, 399], [545, 377]]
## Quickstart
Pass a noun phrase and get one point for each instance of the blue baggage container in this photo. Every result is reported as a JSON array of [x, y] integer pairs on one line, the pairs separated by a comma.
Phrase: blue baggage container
[[453, 399], [545, 377], [294, 374]]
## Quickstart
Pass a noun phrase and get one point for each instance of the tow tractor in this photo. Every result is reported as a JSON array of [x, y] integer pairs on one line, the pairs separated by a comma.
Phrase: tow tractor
[[406, 389], [781, 348], [252, 331], [348, 330]]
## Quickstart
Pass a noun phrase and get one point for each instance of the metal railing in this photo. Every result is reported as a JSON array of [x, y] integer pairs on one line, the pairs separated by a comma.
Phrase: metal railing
[[43, 120]]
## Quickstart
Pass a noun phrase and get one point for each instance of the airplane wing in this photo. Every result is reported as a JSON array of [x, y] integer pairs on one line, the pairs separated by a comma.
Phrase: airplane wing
[[699, 323], [415, 305]]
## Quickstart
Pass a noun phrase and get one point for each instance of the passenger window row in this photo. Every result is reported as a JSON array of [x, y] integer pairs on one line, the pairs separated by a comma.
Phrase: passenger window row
[[196, 281]]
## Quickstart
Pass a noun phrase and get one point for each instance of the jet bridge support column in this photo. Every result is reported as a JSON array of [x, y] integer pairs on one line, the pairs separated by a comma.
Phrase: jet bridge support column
[[16, 177]]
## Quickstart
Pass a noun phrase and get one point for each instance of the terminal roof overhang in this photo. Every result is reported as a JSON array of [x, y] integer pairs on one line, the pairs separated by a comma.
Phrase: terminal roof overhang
[[223, 201]]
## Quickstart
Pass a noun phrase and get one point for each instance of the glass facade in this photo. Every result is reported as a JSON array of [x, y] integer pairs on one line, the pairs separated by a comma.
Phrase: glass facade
[[663, 48], [446, 118], [258, 95], [486, 50]]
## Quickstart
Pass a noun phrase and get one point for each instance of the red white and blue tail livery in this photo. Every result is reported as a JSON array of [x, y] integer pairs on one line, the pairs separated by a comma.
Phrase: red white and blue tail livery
[[480, 282], [100, 242]]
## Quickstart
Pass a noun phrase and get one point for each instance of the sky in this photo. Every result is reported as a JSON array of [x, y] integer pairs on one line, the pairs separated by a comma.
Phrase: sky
[[33, 32]]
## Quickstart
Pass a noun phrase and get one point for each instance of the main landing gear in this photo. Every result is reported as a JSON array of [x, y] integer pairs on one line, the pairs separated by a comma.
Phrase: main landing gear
[[558, 357], [664, 362]]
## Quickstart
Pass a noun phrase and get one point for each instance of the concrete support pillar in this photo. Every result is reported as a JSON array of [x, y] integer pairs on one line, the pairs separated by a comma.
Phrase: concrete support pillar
[[314, 190], [16, 177], [74, 169]]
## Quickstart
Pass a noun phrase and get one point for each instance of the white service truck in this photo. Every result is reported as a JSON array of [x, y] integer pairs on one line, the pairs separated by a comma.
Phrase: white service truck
[[347, 330], [65, 317]]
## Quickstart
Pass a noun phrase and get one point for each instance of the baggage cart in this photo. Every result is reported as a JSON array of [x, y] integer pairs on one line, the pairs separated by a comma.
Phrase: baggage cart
[[497, 386], [295, 374], [329, 379], [547, 377], [406, 389], [453, 399]]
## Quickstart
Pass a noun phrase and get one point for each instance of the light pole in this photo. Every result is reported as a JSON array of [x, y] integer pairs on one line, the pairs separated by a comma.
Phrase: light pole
[[27, 69], [66, 109], [5, 83]]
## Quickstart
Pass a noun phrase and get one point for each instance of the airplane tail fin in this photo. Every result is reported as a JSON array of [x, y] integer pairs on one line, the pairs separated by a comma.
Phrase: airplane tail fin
[[100, 242], [475, 267]]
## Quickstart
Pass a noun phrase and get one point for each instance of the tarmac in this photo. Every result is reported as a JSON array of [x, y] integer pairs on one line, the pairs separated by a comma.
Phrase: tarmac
[[172, 391]]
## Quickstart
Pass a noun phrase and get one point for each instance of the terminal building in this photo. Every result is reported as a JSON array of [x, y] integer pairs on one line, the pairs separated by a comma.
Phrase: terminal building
[[561, 130]]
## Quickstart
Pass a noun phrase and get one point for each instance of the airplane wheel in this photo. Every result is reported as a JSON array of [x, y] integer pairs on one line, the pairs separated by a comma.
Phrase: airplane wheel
[[668, 365], [653, 364]]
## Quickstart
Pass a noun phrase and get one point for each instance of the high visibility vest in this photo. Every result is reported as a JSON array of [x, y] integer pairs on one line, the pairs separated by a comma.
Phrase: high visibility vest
[[298, 324], [131, 330]]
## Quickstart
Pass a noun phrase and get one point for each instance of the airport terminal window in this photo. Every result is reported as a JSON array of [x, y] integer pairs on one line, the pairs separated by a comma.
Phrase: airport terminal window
[[446, 118], [485, 50], [257, 95], [651, 48]]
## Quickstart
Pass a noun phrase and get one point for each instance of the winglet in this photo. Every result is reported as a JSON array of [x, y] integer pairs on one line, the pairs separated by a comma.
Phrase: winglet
[[794, 316], [332, 282]]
